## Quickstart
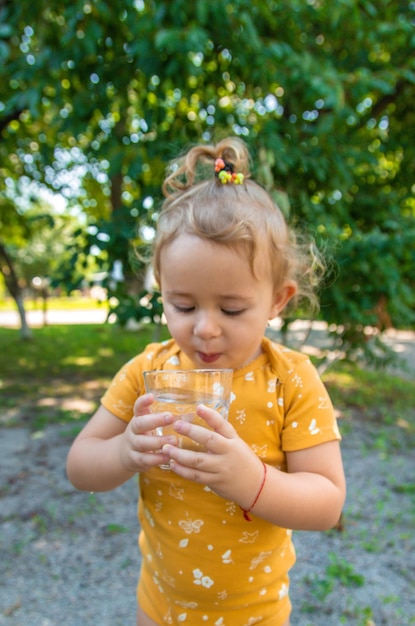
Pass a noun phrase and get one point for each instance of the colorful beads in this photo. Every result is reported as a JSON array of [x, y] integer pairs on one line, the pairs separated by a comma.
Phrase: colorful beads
[[238, 178], [219, 165], [225, 173], [225, 177]]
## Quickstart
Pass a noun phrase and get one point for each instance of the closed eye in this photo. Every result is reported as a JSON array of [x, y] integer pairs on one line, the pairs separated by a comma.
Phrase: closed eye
[[184, 309], [228, 312]]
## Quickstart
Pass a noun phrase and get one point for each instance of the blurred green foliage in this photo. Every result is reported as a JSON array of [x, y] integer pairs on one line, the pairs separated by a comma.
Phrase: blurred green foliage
[[96, 97]]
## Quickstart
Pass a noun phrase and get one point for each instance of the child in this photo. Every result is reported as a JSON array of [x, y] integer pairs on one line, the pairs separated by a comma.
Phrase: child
[[216, 529]]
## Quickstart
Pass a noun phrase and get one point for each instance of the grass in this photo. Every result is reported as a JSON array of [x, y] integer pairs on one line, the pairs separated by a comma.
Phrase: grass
[[59, 375], [376, 398], [379, 392], [63, 303], [339, 571], [66, 350], [64, 369]]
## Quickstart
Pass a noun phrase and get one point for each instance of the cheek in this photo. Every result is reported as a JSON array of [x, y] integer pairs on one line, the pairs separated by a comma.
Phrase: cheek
[[176, 324]]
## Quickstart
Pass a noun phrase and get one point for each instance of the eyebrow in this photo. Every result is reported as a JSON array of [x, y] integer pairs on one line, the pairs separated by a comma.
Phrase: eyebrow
[[231, 296]]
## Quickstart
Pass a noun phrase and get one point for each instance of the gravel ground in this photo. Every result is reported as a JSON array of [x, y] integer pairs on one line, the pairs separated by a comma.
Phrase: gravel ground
[[70, 558]]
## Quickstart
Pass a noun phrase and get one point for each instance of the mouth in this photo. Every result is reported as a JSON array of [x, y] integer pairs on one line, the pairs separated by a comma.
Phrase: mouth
[[209, 358]]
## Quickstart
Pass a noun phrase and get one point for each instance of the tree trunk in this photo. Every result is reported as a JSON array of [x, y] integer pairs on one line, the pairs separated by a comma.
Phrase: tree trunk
[[12, 284]]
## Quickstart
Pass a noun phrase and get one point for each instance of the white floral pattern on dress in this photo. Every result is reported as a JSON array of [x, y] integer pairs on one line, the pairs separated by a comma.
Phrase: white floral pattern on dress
[[207, 534], [324, 403], [259, 559], [191, 526], [249, 537], [283, 592], [260, 451], [200, 579], [186, 605], [272, 385], [173, 360], [227, 557], [176, 492], [241, 416], [297, 380], [122, 407], [313, 428]]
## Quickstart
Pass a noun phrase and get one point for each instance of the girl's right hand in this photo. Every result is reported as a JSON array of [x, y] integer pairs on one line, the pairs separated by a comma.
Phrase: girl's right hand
[[140, 446], [108, 451]]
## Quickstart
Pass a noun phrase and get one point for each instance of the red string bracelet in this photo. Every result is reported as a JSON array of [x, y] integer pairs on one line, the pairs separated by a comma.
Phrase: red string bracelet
[[247, 511]]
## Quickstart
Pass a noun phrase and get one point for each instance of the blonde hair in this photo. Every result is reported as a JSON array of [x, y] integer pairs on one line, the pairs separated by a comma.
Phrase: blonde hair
[[242, 216]]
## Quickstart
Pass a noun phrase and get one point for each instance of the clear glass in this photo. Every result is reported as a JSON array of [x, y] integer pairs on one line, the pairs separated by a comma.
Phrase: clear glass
[[180, 391]]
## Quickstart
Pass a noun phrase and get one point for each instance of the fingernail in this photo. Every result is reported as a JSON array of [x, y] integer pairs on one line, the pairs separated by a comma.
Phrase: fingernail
[[178, 426]]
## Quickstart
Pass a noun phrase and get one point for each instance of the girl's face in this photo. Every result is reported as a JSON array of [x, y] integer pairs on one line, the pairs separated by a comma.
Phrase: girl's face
[[216, 310]]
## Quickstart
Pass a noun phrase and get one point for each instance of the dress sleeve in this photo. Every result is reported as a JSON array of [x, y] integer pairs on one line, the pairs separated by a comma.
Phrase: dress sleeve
[[126, 386], [309, 415]]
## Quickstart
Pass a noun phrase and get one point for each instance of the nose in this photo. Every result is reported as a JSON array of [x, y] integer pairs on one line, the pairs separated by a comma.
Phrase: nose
[[206, 326]]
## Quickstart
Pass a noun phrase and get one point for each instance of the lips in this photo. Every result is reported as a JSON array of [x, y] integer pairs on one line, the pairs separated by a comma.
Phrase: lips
[[209, 358]]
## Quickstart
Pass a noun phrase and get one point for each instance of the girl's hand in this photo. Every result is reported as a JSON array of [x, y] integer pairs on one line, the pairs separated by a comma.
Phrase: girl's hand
[[108, 451], [229, 466], [140, 446], [310, 495]]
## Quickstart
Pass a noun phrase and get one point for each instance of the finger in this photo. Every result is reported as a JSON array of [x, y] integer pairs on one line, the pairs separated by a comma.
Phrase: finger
[[152, 443], [142, 404], [142, 424], [202, 435], [216, 422], [152, 459], [188, 464]]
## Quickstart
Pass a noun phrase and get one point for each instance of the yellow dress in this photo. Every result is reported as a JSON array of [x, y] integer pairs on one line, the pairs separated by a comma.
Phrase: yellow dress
[[202, 562]]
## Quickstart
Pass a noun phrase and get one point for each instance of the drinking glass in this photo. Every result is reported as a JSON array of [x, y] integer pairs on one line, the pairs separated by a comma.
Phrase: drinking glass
[[180, 391]]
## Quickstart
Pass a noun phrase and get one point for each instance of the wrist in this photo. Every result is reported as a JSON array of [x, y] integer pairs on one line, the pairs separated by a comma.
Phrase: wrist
[[246, 511]]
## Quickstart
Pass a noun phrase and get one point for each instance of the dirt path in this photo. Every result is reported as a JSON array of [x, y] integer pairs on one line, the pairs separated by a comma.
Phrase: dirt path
[[70, 558]]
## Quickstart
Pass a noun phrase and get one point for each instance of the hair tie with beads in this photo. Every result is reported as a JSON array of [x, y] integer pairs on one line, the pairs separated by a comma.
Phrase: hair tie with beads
[[224, 172]]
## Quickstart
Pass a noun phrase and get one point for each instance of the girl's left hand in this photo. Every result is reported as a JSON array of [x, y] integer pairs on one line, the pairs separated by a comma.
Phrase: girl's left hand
[[229, 466]]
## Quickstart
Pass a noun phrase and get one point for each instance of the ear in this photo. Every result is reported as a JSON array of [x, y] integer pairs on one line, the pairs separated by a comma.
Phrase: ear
[[282, 298]]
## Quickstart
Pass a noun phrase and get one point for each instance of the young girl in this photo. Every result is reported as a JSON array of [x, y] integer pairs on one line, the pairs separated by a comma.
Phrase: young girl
[[216, 529]]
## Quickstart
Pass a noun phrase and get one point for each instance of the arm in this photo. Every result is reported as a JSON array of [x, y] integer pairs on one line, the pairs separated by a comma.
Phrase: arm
[[309, 496], [108, 451]]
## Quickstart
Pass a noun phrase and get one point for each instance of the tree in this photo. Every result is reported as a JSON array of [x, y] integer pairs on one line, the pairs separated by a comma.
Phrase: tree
[[322, 92], [34, 246]]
